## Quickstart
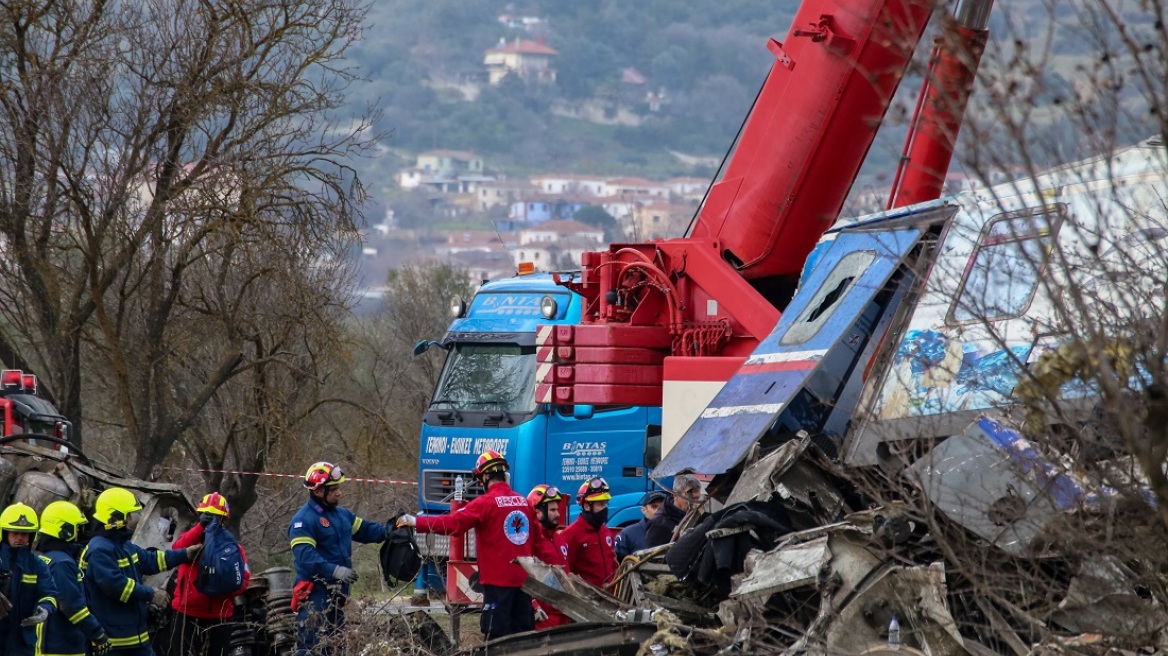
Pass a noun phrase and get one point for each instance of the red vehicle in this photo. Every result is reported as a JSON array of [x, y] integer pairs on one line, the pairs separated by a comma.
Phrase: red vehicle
[[29, 416], [688, 311]]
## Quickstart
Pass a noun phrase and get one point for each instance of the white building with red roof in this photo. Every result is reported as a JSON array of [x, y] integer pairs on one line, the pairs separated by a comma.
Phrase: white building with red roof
[[530, 60]]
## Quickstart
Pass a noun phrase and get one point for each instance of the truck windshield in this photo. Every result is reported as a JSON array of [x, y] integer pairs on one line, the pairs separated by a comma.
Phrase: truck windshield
[[488, 377]]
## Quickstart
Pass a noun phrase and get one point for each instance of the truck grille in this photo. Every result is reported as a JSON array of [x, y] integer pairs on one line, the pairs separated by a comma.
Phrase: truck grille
[[439, 486], [432, 545]]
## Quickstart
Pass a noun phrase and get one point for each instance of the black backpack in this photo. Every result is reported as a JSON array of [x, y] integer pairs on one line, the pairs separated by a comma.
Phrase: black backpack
[[400, 557], [221, 565]]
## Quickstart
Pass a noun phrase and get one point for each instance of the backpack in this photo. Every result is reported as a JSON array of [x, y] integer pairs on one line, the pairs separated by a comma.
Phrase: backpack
[[221, 565], [400, 557]]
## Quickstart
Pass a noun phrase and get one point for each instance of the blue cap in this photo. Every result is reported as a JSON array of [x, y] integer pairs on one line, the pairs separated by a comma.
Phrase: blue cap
[[650, 497]]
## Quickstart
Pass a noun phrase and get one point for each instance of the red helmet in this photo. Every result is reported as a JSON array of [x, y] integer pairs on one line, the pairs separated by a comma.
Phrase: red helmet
[[491, 462], [593, 489], [215, 504], [543, 493], [322, 474]]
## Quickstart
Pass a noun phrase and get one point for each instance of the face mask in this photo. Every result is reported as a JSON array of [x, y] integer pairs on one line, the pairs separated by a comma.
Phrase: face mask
[[595, 518]]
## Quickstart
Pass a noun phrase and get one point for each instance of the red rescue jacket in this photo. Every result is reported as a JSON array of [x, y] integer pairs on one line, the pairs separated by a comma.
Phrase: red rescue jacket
[[187, 598], [503, 525], [552, 551], [591, 554]]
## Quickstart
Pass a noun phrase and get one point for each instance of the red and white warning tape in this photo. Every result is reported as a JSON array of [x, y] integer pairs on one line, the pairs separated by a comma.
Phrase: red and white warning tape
[[384, 481]]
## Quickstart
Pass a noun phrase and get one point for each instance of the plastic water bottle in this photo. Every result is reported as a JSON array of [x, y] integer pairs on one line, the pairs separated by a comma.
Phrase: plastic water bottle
[[894, 634], [459, 486]]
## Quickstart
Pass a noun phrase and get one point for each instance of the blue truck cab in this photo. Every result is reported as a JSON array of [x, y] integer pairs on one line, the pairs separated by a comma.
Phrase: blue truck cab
[[485, 399]]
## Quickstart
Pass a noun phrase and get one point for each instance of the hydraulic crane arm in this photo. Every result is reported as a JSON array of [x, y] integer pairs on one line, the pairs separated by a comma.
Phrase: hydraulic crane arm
[[720, 290]]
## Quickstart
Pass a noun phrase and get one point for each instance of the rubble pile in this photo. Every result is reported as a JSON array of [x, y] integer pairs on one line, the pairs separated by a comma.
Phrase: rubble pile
[[979, 545]]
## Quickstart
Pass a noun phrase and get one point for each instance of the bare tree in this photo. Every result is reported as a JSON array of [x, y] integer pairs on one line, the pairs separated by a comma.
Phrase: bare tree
[[167, 166]]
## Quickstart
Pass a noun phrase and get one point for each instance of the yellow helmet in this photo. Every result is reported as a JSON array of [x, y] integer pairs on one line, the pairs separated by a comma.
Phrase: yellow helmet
[[19, 518], [114, 505], [62, 520]]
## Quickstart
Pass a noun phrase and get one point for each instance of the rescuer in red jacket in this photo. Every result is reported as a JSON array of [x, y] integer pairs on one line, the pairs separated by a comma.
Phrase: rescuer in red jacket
[[201, 622], [547, 502], [589, 540], [504, 530]]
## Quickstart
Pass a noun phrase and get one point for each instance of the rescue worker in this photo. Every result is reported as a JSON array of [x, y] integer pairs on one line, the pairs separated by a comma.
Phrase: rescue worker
[[202, 624], [74, 629], [113, 569], [589, 540], [687, 491], [25, 581], [322, 535], [632, 537], [504, 525], [546, 501]]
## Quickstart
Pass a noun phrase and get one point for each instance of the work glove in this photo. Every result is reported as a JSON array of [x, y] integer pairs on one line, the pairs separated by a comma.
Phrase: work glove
[[540, 614], [344, 574], [407, 520], [38, 616], [160, 599], [205, 519], [100, 644], [193, 552]]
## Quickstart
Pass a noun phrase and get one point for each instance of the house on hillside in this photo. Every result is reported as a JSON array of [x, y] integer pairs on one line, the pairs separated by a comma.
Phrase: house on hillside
[[530, 60], [545, 208], [503, 193], [557, 245], [688, 188], [637, 188], [479, 265], [445, 171], [660, 220], [568, 183]]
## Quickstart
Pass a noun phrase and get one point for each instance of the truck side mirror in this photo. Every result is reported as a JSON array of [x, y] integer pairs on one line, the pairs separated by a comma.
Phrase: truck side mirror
[[425, 345], [582, 411]]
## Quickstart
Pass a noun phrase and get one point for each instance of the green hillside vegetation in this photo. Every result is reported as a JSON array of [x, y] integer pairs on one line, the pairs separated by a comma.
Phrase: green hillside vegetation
[[709, 58]]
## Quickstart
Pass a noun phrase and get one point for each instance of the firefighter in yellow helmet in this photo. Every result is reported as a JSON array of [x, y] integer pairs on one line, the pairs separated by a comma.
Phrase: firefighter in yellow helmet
[[74, 628], [114, 569], [24, 580]]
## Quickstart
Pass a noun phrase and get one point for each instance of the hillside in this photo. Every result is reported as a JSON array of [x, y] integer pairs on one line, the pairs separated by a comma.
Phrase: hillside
[[709, 61], [423, 61]]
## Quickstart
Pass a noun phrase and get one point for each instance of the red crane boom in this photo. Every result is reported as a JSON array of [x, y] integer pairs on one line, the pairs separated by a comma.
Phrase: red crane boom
[[718, 291]]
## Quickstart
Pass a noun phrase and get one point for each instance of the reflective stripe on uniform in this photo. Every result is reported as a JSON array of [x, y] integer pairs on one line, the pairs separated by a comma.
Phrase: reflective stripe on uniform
[[131, 641], [357, 521], [304, 540], [161, 560], [28, 578], [127, 591], [76, 618]]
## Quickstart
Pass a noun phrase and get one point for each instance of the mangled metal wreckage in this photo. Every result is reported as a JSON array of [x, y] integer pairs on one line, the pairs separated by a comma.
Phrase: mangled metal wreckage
[[873, 462]]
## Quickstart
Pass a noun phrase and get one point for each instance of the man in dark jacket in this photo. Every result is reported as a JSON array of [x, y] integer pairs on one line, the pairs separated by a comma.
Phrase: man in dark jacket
[[73, 629], [202, 624], [687, 491], [24, 580], [114, 569], [322, 535], [632, 537], [504, 526]]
